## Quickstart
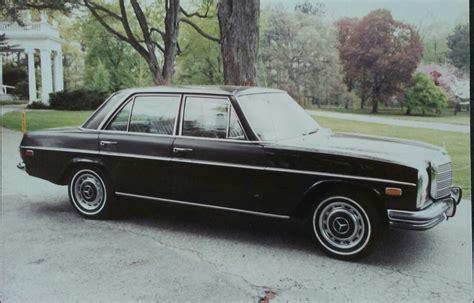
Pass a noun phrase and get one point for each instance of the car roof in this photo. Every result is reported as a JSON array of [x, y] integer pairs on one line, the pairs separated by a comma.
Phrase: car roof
[[204, 89]]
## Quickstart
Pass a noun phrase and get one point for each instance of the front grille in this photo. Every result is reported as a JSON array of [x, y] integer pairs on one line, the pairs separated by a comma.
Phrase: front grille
[[443, 180]]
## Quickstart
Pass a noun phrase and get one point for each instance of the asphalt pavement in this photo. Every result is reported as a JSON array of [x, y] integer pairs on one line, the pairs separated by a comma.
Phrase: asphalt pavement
[[162, 253]]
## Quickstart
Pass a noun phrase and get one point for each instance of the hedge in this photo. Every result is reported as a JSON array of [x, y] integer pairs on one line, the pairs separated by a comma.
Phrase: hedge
[[80, 99]]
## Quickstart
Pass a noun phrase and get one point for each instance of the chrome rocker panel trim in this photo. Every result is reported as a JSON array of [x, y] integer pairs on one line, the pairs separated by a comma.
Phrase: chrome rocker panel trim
[[429, 217], [203, 205]]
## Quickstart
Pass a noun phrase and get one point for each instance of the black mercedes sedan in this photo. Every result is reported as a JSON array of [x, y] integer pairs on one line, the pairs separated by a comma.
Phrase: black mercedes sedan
[[249, 150]]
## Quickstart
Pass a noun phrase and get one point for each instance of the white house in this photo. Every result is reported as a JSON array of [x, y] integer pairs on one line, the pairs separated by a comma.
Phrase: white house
[[33, 38]]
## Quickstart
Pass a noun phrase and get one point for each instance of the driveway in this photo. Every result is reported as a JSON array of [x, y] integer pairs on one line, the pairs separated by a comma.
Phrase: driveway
[[161, 252], [395, 122], [10, 108]]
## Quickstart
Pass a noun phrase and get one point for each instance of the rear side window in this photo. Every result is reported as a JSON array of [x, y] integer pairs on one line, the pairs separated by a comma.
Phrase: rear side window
[[120, 121], [154, 114], [205, 117]]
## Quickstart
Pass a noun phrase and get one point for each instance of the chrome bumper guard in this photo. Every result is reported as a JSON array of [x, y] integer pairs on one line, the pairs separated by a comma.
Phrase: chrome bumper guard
[[429, 217]]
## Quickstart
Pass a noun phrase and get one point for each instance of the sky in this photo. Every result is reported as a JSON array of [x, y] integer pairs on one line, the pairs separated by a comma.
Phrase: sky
[[415, 12]]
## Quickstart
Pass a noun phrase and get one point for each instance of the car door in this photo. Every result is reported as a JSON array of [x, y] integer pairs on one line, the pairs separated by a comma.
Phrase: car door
[[137, 143], [213, 162]]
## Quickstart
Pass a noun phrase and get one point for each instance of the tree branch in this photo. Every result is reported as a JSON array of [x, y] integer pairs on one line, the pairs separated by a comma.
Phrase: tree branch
[[105, 10], [131, 37], [197, 14], [200, 31], [154, 29], [103, 23]]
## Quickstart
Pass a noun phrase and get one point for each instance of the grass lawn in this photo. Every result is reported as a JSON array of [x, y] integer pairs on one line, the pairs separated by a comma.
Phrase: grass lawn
[[446, 116], [457, 144], [40, 119], [13, 102]]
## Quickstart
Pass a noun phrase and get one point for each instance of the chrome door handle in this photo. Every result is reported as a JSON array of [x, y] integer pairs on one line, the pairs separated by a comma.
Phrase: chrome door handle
[[103, 143], [181, 150]]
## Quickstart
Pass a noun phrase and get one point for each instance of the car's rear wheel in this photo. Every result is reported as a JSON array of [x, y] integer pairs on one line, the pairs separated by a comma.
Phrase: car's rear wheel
[[346, 226], [90, 193]]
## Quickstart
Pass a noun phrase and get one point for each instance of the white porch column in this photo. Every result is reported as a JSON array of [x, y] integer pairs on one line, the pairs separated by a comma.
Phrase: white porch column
[[58, 72], [31, 75], [1, 74], [46, 75]]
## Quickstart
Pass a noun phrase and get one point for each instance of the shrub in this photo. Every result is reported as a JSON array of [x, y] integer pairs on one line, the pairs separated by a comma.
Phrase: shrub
[[38, 105], [422, 94], [80, 99], [21, 90]]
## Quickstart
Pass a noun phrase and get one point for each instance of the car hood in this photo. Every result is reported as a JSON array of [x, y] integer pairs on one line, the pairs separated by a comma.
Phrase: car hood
[[405, 152]]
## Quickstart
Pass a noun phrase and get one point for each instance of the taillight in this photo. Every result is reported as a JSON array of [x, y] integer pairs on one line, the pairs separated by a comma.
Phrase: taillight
[[27, 153]]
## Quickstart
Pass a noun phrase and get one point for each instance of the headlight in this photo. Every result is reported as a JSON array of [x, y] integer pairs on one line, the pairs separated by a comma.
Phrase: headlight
[[422, 187]]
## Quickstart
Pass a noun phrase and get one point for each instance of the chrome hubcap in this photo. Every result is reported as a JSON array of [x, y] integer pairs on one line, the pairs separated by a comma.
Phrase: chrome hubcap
[[342, 225], [88, 191]]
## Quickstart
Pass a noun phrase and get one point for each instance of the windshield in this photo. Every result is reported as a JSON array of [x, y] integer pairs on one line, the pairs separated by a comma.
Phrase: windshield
[[276, 116]]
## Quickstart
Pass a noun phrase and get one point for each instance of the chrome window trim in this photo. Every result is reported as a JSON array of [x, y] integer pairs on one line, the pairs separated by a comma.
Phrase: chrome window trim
[[134, 133], [256, 213], [228, 120], [220, 140], [132, 98], [129, 114], [181, 119], [174, 136], [232, 110], [276, 169]]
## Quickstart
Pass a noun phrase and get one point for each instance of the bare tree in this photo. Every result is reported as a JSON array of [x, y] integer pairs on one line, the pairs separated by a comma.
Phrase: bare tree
[[238, 22], [147, 44]]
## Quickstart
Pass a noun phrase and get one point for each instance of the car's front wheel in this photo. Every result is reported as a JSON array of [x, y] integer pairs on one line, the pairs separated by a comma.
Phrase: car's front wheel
[[90, 193], [346, 227]]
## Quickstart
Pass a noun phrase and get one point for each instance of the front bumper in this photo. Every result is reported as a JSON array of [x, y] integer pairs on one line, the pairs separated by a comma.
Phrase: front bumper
[[429, 217]]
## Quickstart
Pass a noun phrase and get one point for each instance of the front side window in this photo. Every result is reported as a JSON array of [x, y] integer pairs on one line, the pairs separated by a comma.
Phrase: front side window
[[205, 117], [235, 129], [154, 114]]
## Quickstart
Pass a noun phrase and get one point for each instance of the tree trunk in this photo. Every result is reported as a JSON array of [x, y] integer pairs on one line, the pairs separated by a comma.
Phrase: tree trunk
[[408, 111], [239, 29], [155, 71], [375, 105], [362, 100], [171, 40]]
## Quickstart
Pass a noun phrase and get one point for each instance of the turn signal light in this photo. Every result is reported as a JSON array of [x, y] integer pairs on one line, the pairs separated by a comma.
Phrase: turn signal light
[[393, 191]]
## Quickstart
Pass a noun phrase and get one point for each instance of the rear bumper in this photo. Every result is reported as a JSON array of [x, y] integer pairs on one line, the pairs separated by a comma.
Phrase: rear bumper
[[429, 217]]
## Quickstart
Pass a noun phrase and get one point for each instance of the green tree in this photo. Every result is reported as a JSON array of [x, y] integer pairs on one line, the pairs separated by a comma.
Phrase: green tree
[[458, 43], [423, 95], [298, 54], [110, 64], [434, 38], [200, 61]]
